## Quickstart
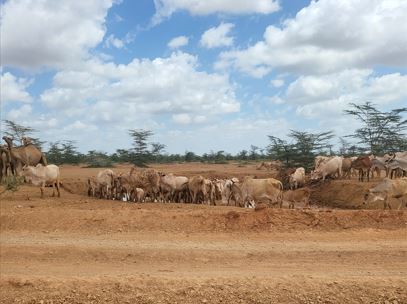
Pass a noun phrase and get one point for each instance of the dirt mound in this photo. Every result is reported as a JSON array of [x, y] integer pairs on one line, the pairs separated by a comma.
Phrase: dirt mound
[[25, 211], [345, 194]]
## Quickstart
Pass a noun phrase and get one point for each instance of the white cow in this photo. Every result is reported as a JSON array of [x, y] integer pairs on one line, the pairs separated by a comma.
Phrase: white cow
[[330, 168], [387, 188], [297, 179], [43, 175], [105, 182], [172, 186], [319, 160]]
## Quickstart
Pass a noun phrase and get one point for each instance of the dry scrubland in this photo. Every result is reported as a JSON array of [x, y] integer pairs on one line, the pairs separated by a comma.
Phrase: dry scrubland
[[82, 250]]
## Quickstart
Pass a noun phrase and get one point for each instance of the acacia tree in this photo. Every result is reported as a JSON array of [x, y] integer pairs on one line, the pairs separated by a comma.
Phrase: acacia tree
[[302, 149], [140, 143], [157, 150], [17, 132], [380, 132]]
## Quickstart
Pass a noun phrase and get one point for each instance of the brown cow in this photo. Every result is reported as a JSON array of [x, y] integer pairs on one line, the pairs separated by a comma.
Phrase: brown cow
[[363, 164]]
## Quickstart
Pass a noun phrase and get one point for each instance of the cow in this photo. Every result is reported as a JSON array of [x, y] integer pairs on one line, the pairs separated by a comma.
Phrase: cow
[[346, 167], [379, 164], [397, 164], [105, 182], [385, 189], [251, 190], [219, 186], [41, 176], [297, 179], [139, 195], [228, 192], [197, 189], [172, 186], [319, 160], [92, 186], [147, 179], [363, 164], [330, 168], [210, 193], [284, 176], [297, 196]]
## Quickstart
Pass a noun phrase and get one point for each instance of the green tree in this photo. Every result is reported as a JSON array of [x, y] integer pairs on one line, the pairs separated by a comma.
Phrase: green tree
[[380, 132], [190, 156], [140, 143], [54, 154], [253, 152], [17, 132], [157, 151], [302, 149]]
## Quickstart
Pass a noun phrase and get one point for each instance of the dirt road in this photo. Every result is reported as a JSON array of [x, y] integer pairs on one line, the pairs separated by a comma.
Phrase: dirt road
[[82, 250]]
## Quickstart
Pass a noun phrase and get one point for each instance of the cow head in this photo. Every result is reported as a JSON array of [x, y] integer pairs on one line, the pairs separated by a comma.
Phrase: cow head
[[27, 173], [315, 175]]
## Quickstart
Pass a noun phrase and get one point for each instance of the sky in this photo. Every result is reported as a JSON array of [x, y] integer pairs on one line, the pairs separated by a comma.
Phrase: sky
[[202, 75]]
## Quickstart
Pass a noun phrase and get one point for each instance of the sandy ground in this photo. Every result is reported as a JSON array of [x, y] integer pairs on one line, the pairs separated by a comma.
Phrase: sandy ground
[[77, 249]]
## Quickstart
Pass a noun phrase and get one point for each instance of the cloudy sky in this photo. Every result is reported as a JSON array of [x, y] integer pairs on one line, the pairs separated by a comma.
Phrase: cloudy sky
[[203, 75]]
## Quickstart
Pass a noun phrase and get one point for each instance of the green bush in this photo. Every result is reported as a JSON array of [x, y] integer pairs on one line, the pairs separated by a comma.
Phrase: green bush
[[99, 162]]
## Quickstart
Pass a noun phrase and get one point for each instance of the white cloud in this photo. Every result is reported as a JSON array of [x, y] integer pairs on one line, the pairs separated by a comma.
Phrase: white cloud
[[113, 93], [217, 36], [111, 40], [178, 42], [14, 89], [20, 113], [37, 34], [328, 95], [182, 118], [165, 8], [277, 83], [363, 34]]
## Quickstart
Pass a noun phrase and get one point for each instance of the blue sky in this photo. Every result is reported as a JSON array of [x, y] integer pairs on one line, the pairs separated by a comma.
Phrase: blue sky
[[202, 75]]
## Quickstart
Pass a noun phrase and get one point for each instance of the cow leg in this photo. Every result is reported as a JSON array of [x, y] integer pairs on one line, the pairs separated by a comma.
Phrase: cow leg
[[42, 191], [386, 203], [401, 203], [57, 185], [306, 202]]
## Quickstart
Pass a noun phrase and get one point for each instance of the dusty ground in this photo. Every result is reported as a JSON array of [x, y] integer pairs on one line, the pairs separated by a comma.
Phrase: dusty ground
[[81, 250]]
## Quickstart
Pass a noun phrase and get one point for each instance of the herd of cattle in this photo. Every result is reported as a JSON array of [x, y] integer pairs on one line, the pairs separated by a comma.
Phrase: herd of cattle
[[140, 185], [289, 184]]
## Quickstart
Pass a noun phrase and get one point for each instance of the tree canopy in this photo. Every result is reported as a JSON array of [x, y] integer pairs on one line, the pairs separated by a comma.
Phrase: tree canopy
[[380, 132]]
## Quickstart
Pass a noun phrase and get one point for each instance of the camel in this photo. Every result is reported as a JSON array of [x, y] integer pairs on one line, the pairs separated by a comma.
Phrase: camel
[[28, 155]]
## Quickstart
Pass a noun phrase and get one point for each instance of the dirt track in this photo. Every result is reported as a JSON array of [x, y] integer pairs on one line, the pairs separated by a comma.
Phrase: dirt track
[[81, 250]]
